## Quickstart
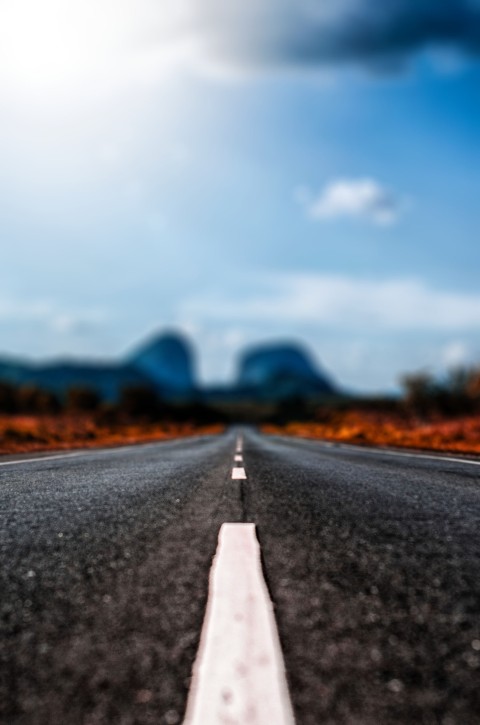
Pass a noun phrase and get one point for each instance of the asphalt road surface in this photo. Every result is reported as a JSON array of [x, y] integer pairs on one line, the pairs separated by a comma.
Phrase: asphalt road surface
[[372, 561]]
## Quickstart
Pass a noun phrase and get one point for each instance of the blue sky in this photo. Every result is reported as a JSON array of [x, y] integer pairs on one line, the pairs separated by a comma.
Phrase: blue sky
[[298, 182]]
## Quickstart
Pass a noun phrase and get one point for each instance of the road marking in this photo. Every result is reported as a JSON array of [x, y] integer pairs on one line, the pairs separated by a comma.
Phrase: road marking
[[403, 454], [239, 675], [76, 454], [100, 451], [238, 473], [239, 445], [238, 458], [43, 458]]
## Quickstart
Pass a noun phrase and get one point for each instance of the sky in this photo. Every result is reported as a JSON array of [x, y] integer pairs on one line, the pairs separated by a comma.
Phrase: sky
[[245, 172]]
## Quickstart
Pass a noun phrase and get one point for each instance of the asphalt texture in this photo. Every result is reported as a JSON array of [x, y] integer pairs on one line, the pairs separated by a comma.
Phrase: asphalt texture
[[372, 561]]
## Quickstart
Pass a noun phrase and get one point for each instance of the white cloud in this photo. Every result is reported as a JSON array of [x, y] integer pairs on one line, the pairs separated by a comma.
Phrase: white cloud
[[341, 303], [456, 353], [50, 315], [363, 198]]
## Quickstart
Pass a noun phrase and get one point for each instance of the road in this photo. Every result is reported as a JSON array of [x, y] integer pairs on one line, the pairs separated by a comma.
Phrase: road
[[371, 558]]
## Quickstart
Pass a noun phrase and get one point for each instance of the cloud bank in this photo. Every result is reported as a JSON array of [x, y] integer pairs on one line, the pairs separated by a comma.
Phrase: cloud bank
[[50, 315], [366, 331], [43, 45], [309, 32], [346, 303]]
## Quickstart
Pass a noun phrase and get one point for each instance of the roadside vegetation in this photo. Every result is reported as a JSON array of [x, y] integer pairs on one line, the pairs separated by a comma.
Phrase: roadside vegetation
[[32, 419], [431, 413]]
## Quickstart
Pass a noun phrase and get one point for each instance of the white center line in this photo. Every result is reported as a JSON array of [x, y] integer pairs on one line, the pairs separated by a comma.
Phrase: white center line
[[238, 458], [238, 473], [239, 674]]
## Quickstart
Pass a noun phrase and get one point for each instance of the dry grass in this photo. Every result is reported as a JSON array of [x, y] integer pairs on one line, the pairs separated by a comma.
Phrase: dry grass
[[459, 435], [26, 433]]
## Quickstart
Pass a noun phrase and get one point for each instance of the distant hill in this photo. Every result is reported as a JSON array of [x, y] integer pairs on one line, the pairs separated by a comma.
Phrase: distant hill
[[165, 362], [279, 371], [58, 377]]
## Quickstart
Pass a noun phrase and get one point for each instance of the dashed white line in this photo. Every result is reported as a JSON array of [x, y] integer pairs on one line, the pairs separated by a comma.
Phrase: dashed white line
[[238, 473], [238, 458], [239, 675]]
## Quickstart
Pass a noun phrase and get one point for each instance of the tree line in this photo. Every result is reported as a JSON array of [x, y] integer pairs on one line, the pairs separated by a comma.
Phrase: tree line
[[456, 393], [134, 402], [422, 394]]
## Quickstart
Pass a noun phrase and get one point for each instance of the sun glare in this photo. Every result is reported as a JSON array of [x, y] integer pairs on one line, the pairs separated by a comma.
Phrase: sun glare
[[52, 44], [45, 43]]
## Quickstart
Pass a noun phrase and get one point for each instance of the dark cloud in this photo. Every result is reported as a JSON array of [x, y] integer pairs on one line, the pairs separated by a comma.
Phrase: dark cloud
[[303, 32]]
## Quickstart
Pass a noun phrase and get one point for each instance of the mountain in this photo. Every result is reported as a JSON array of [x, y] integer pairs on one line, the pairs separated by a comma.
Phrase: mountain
[[167, 360], [164, 363], [58, 377], [279, 371]]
